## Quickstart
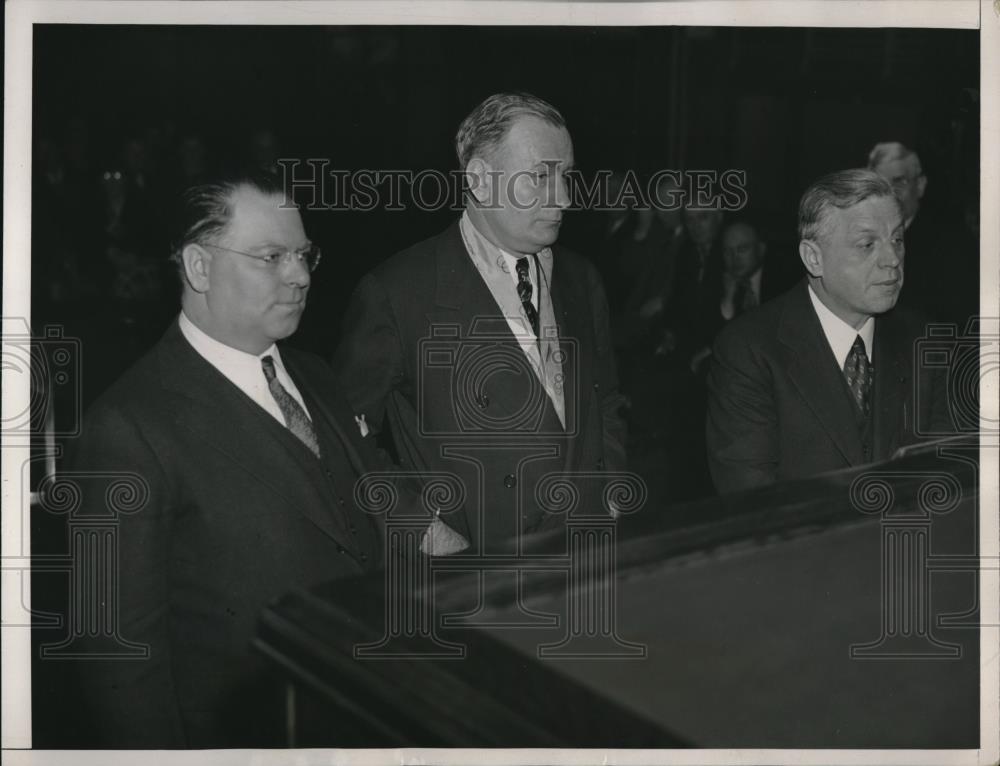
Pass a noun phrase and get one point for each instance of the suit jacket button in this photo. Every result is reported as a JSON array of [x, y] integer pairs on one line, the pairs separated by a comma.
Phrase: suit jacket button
[[364, 557], [340, 549], [510, 481]]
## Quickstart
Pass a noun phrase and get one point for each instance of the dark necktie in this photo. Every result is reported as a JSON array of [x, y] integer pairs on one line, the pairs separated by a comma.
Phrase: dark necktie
[[745, 298], [295, 417], [524, 291], [859, 372]]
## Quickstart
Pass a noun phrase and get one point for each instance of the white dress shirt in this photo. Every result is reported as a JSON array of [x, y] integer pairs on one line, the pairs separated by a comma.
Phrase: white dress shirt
[[243, 370], [841, 335], [511, 261], [509, 264]]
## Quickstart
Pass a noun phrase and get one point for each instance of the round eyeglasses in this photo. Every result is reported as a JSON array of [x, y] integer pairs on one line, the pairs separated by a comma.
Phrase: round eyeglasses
[[278, 257]]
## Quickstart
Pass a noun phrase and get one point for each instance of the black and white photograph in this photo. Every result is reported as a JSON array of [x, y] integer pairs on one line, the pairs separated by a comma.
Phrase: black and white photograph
[[516, 382]]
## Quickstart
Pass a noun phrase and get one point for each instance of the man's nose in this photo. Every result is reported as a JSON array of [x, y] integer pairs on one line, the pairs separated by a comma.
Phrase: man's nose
[[889, 256], [297, 272]]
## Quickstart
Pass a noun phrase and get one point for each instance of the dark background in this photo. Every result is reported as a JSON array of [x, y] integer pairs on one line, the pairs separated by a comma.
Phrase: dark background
[[124, 117], [785, 105]]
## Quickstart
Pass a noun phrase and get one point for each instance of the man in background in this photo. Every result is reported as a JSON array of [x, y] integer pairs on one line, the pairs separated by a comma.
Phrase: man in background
[[942, 274]]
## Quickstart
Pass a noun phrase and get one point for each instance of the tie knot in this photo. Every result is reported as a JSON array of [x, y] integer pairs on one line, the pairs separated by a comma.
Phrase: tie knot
[[522, 268], [267, 363], [858, 349]]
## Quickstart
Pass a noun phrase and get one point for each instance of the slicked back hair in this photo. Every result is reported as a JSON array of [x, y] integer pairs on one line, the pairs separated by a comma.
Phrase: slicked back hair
[[890, 151], [842, 189], [205, 210], [481, 133]]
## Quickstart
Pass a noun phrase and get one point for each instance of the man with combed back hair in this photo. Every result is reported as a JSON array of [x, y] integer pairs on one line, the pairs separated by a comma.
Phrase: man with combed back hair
[[485, 351], [822, 377], [250, 454]]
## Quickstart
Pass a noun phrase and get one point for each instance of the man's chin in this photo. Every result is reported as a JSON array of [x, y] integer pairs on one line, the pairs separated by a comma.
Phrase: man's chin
[[286, 327], [886, 304], [547, 236]]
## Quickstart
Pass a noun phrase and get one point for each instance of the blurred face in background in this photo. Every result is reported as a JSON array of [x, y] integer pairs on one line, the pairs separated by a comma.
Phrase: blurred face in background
[[703, 226], [668, 197], [908, 182], [742, 250]]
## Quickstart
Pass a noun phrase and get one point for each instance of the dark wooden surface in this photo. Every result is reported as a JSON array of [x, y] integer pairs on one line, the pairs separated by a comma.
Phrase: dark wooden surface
[[747, 606]]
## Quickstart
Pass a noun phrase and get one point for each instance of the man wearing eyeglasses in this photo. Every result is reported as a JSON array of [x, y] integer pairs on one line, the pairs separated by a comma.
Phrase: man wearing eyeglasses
[[250, 455]]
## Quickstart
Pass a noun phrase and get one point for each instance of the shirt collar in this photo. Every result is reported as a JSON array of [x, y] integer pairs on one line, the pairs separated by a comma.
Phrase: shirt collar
[[490, 251], [839, 334], [225, 358]]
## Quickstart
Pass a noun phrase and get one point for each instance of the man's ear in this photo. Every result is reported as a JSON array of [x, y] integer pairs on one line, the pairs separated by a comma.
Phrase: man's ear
[[477, 175], [921, 186], [812, 257], [197, 267]]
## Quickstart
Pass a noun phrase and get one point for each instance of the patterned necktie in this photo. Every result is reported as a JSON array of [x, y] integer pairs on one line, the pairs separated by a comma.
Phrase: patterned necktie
[[859, 372], [295, 417], [524, 291]]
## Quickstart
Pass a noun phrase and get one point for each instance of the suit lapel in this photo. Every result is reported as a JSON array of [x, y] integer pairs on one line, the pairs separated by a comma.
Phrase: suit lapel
[[328, 402], [464, 301], [226, 419], [572, 321], [892, 376], [814, 371]]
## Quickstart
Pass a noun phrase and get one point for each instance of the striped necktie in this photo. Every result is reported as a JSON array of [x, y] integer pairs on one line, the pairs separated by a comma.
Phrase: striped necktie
[[295, 417], [524, 291]]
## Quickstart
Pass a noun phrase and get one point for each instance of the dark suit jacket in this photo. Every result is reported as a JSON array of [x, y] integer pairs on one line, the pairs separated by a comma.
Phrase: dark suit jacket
[[461, 401], [239, 513], [941, 270], [712, 321], [686, 305], [778, 407]]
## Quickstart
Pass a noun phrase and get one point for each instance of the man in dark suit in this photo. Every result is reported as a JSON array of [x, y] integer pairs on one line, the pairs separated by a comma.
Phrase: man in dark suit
[[746, 282], [249, 455], [822, 377], [485, 350]]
